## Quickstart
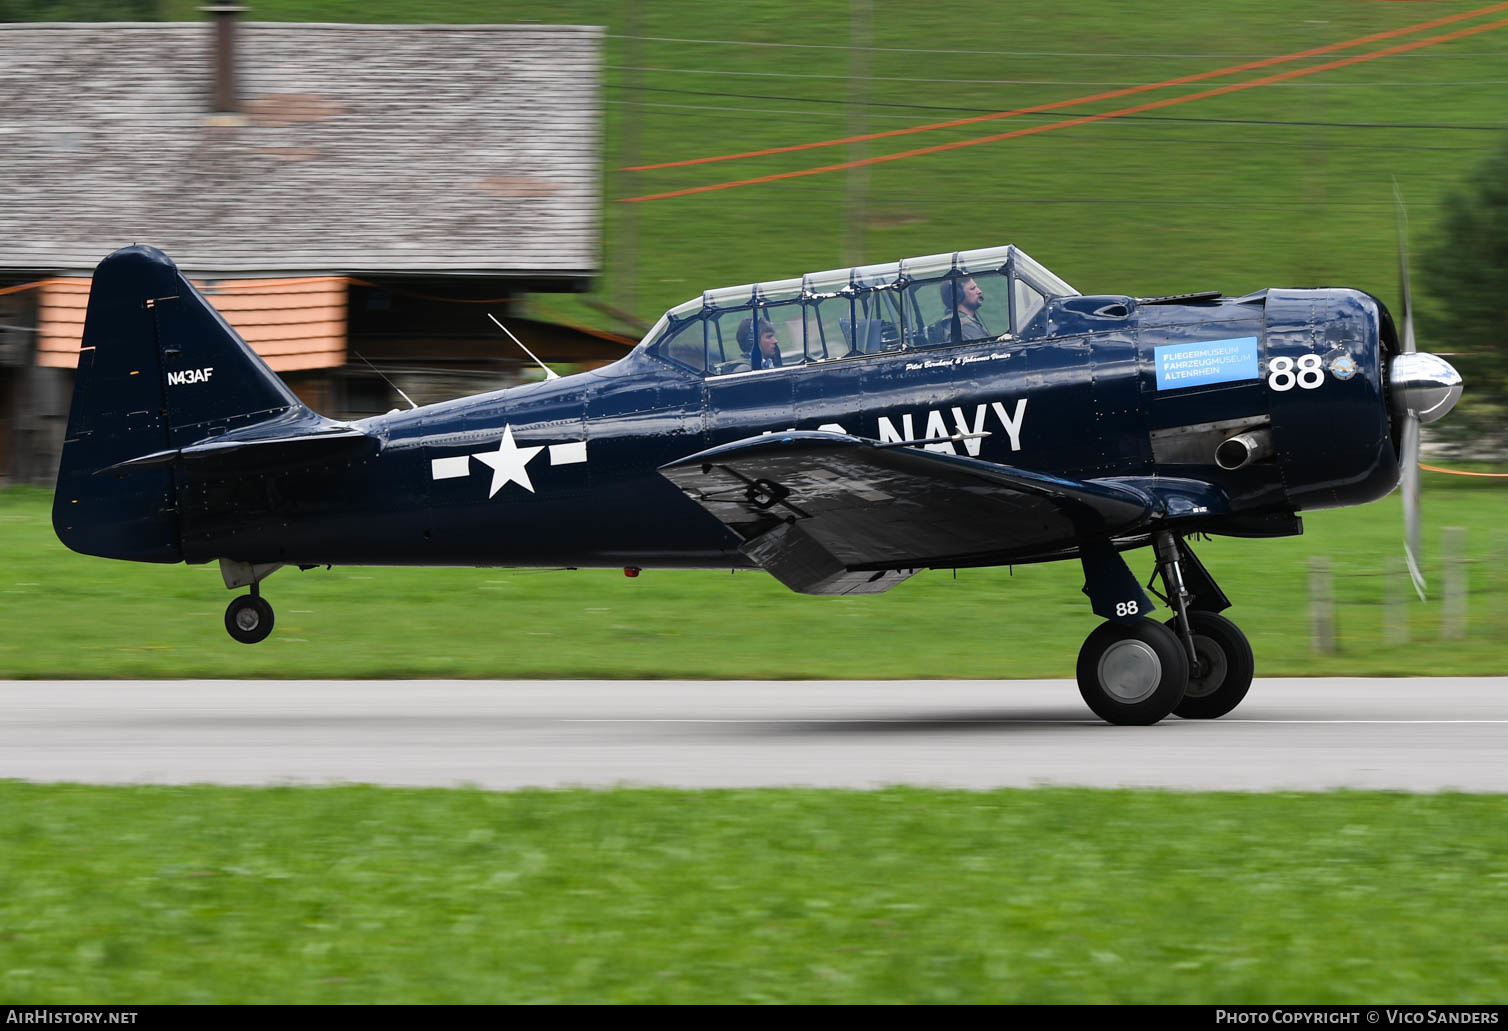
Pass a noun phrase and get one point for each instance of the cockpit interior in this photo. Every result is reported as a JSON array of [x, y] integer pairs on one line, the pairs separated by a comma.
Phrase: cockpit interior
[[995, 293]]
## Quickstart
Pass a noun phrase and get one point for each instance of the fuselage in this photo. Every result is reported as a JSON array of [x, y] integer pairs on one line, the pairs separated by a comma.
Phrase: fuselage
[[564, 472], [777, 425]]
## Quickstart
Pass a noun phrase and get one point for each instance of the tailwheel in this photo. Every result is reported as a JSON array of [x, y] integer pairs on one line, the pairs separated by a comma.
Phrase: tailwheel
[[1132, 674], [249, 619], [1222, 675]]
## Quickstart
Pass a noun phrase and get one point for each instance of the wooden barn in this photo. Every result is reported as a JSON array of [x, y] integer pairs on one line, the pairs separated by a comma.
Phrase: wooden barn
[[352, 198]]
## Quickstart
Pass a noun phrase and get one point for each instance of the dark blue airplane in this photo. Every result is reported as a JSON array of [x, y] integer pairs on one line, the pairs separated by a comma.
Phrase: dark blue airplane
[[841, 431]]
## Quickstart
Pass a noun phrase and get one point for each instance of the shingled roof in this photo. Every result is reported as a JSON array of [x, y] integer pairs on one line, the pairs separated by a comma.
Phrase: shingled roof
[[359, 148]]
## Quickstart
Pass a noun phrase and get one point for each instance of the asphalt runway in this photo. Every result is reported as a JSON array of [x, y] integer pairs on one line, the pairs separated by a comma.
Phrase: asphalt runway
[[1302, 734]]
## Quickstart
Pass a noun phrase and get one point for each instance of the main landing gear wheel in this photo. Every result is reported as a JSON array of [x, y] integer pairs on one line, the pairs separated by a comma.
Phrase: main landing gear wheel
[[1223, 674], [249, 619], [1132, 674]]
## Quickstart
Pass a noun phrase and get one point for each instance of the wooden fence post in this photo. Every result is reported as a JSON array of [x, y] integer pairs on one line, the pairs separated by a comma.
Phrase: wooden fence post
[[1321, 605], [1453, 606], [1494, 579], [1396, 593]]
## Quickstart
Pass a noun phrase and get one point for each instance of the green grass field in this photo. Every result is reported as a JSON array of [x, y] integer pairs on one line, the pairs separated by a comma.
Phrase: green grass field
[[214, 895], [1286, 184], [67, 615]]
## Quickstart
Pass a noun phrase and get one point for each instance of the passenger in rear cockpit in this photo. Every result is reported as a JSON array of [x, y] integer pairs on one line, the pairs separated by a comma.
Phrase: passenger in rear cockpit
[[766, 353]]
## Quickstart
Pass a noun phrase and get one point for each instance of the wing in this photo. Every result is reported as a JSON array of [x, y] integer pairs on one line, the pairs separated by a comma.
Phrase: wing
[[826, 513]]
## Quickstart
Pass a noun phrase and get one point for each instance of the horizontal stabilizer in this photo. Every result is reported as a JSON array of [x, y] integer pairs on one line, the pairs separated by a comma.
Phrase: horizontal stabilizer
[[813, 508], [227, 456]]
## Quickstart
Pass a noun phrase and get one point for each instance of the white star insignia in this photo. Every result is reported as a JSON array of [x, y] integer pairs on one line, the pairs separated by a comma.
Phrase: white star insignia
[[508, 463]]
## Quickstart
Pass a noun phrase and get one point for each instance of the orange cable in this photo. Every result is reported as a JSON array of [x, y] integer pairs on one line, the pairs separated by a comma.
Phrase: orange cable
[[220, 285], [1461, 472], [617, 338], [265, 284], [27, 286], [270, 284], [1055, 105], [1085, 120]]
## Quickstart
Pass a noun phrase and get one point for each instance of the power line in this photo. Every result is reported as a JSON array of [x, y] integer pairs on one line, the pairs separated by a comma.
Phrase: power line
[[998, 53], [1216, 73], [1010, 82], [872, 78], [1045, 115], [1086, 119], [785, 117]]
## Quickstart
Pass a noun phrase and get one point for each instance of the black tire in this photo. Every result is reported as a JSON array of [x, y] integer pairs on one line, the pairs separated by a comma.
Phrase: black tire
[[1132, 675], [1226, 656], [248, 619]]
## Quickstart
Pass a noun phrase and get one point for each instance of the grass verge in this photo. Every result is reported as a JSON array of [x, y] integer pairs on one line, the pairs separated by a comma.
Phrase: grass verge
[[65, 615], [355, 894]]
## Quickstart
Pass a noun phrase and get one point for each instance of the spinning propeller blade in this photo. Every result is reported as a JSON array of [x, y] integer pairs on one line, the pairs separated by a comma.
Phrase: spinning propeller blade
[[1426, 388], [1409, 451], [1410, 487], [1403, 272]]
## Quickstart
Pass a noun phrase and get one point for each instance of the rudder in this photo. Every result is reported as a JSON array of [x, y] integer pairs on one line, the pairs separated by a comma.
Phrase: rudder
[[159, 368]]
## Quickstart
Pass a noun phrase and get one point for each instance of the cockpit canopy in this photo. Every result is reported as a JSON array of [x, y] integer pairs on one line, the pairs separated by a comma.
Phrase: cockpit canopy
[[997, 293]]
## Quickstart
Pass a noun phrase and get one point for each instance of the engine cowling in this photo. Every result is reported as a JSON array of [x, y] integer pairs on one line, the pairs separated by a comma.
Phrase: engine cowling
[[1324, 369]]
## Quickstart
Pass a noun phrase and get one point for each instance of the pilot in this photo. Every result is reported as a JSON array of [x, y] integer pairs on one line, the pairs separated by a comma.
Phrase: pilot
[[965, 297], [767, 354]]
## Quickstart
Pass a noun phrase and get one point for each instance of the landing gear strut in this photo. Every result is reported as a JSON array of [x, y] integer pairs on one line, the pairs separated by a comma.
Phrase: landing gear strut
[[1197, 665], [1222, 675], [1220, 659], [249, 618]]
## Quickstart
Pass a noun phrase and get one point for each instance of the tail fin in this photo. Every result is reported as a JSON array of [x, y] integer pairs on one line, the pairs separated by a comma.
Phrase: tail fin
[[159, 369]]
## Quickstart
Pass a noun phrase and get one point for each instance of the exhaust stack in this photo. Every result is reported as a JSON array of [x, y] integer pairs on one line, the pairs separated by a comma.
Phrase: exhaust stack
[[1243, 449]]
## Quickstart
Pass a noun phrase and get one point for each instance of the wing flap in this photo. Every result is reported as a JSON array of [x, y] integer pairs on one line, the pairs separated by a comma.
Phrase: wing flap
[[871, 506]]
